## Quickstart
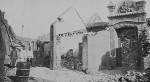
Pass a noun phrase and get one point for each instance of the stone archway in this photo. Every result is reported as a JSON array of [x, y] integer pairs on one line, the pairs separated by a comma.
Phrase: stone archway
[[124, 17], [128, 52]]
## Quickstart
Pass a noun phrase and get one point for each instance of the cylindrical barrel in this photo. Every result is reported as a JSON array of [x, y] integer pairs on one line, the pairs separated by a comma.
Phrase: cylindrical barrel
[[23, 70]]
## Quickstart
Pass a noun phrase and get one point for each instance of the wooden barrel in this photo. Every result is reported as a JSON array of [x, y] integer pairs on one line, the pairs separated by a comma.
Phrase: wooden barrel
[[23, 70]]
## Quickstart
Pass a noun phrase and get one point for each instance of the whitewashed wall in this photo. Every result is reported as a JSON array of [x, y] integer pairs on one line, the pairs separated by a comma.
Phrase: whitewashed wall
[[98, 45]]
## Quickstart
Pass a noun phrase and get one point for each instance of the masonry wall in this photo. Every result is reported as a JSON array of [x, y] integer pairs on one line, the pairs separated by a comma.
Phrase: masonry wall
[[84, 53], [6, 39], [2, 56], [98, 50], [69, 42], [147, 58], [46, 49], [4, 46]]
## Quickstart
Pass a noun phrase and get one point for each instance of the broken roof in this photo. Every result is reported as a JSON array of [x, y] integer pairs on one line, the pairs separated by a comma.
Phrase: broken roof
[[96, 22]]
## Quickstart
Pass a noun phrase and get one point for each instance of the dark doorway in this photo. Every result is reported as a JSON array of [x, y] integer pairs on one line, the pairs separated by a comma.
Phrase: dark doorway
[[127, 52]]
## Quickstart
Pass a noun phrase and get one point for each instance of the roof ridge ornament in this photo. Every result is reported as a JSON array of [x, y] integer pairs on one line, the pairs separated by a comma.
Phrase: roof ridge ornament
[[126, 7], [2, 14], [111, 6], [141, 5]]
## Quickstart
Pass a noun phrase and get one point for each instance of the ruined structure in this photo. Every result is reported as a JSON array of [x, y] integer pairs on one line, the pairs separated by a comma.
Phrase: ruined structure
[[7, 41], [81, 42], [127, 20], [2, 53], [107, 45]]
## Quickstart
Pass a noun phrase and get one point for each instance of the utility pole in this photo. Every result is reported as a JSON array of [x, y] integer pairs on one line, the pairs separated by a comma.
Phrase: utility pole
[[22, 30], [28, 32]]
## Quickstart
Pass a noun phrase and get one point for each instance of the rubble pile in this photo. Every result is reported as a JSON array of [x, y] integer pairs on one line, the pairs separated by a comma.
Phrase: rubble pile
[[147, 62], [133, 76], [10, 72], [72, 63], [129, 77], [65, 75]]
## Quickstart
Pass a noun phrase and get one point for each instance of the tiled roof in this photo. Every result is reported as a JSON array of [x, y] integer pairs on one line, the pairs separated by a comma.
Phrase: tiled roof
[[129, 13], [95, 21], [97, 24]]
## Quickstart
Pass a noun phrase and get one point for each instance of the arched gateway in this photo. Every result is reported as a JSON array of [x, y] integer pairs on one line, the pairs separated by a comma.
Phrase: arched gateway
[[127, 19]]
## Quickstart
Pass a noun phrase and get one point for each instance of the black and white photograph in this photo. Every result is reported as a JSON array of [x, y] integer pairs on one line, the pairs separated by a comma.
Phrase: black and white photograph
[[74, 40]]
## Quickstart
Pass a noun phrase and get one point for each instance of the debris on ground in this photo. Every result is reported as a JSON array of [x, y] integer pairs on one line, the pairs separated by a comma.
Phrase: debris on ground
[[43, 74]]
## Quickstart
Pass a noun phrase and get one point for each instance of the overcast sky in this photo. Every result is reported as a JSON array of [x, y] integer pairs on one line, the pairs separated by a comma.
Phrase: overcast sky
[[37, 15]]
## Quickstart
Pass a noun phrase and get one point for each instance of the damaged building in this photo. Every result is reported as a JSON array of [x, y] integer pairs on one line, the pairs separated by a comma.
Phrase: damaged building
[[107, 45]]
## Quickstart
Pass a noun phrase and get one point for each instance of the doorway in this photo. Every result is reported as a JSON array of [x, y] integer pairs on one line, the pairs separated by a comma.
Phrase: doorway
[[127, 53]]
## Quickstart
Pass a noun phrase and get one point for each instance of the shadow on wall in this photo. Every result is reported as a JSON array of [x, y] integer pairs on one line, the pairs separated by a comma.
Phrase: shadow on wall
[[105, 61]]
